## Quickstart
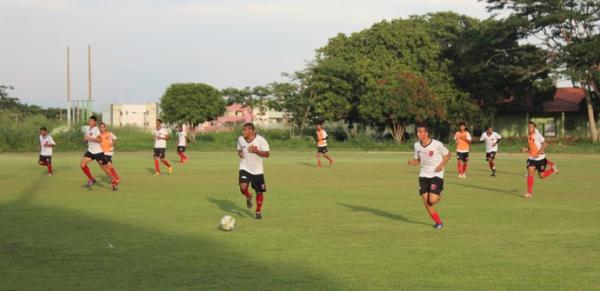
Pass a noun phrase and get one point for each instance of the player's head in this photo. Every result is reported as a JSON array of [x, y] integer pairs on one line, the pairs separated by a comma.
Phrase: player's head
[[43, 131], [319, 125], [248, 131], [462, 126], [158, 123], [92, 121], [531, 126], [423, 132], [489, 130], [103, 127]]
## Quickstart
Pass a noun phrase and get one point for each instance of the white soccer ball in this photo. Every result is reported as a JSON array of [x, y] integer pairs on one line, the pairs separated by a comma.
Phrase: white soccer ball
[[227, 223]]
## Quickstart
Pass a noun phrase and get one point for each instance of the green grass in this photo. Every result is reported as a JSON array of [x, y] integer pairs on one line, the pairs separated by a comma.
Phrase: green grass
[[357, 226]]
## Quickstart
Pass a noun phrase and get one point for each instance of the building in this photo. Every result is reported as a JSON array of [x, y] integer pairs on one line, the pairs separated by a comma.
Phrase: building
[[269, 119], [562, 117], [235, 114], [140, 115]]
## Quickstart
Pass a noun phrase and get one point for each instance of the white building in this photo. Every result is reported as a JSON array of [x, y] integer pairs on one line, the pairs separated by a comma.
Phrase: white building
[[140, 115], [269, 119]]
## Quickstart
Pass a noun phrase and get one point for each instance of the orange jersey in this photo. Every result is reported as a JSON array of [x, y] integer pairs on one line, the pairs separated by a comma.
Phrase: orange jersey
[[535, 142], [107, 142], [463, 141], [321, 138]]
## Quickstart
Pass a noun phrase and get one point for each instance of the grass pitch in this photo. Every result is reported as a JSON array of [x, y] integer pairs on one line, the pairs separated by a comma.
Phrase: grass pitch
[[359, 225]]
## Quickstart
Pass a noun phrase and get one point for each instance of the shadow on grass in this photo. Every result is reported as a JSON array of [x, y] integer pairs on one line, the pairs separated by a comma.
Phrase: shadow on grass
[[380, 213], [51, 248], [513, 192], [231, 207], [307, 164]]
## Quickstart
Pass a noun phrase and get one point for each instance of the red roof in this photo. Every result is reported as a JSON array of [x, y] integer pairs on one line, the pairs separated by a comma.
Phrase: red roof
[[566, 100]]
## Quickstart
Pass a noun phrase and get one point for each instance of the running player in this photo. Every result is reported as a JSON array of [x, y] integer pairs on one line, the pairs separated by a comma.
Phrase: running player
[[432, 156], [46, 145], [537, 158], [491, 139], [107, 144], [160, 146], [463, 144], [322, 145], [182, 137], [94, 151], [252, 148]]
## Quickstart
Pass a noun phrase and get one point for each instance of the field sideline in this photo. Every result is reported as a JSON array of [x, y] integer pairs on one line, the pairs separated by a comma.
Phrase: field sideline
[[359, 225]]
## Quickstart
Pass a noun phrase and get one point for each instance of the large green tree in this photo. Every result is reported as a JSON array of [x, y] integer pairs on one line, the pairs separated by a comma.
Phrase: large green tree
[[568, 30], [191, 103]]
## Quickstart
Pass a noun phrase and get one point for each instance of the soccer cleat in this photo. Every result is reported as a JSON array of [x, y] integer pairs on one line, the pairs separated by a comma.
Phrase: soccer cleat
[[49, 174], [527, 195], [438, 226], [249, 203], [555, 168], [114, 187], [91, 183], [157, 174], [170, 170], [493, 173], [258, 215]]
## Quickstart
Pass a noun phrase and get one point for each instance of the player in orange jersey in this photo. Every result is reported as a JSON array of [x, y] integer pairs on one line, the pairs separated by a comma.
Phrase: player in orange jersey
[[463, 145], [322, 145], [536, 147]]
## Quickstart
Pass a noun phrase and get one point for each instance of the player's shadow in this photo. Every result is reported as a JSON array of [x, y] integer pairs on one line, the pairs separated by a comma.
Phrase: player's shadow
[[380, 213], [513, 192], [307, 164], [151, 170], [230, 207]]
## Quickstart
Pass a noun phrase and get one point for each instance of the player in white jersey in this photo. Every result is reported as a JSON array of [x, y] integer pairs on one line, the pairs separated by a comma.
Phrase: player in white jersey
[[94, 151], [432, 156], [322, 150], [161, 135], [491, 140], [181, 144], [252, 148], [46, 146], [536, 147]]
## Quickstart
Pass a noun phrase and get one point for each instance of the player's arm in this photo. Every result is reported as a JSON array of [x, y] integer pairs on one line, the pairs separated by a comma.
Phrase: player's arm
[[543, 148], [94, 139], [445, 160], [415, 160], [263, 151], [240, 154]]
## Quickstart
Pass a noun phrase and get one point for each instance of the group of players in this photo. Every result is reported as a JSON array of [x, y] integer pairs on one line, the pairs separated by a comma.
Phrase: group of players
[[430, 154]]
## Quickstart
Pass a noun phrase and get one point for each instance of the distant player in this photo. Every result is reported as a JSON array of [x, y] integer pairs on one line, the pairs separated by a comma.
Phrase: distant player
[[182, 142], [94, 152], [322, 145], [537, 158], [107, 144], [491, 140], [463, 146], [252, 148], [46, 146], [160, 146], [432, 156]]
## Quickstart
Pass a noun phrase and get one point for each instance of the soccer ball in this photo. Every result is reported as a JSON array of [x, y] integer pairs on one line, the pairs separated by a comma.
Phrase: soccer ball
[[227, 223]]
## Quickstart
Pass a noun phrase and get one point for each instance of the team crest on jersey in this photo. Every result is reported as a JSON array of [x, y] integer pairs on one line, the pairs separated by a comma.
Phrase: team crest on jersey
[[430, 153]]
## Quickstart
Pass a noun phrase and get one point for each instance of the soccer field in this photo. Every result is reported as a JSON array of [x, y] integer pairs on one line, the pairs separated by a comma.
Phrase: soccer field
[[359, 225]]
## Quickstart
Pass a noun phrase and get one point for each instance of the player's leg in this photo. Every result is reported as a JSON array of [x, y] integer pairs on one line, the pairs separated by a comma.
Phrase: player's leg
[[258, 184], [85, 160], [319, 155], [326, 155], [156, 156], [49, 165], [491, 157], [180, 154], [244, 182], [430, 190], [530, 179], [459, 165], [549, 169], [465, 159], [429, 200]]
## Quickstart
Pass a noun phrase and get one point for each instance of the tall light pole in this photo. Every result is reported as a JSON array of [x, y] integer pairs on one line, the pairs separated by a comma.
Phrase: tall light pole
[[69, 111], [89, 105]]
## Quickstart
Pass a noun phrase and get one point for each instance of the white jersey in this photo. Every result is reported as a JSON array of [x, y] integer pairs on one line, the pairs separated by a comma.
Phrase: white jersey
[[430, 156], [535, 142], [491, 141], [93, 146], [252, 163], [44, 140], [160, 143], [181, 136]]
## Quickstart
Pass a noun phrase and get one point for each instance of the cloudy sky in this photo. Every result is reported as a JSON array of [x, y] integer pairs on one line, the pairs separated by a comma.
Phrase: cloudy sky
[[142, 46]]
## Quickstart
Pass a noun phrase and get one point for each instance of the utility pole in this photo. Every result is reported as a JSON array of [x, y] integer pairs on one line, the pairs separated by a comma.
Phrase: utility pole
[[69, 120]]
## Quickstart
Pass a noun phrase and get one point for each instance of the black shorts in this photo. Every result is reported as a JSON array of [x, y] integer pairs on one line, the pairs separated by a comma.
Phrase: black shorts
[[433, 185], [159, 153], [99, 157], [540, 165], [181, 149], [45, 159], [107, 159], [462, 156], [256, 181], [490, 156], [322, 150]]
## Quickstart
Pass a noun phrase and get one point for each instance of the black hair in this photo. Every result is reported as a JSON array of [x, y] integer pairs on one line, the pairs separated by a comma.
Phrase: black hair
[[159, 120], [462, 124], [43, 128], [423, 125], [102, 123], [532, 123], [249, 125], [94, 118]]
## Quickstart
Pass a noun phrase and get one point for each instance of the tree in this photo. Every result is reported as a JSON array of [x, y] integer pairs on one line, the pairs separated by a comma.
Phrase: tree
[[564, 28], [191, 103], [400, 100]]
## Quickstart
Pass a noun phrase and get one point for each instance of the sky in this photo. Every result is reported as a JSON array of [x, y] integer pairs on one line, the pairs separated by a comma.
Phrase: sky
[[139, 47]]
